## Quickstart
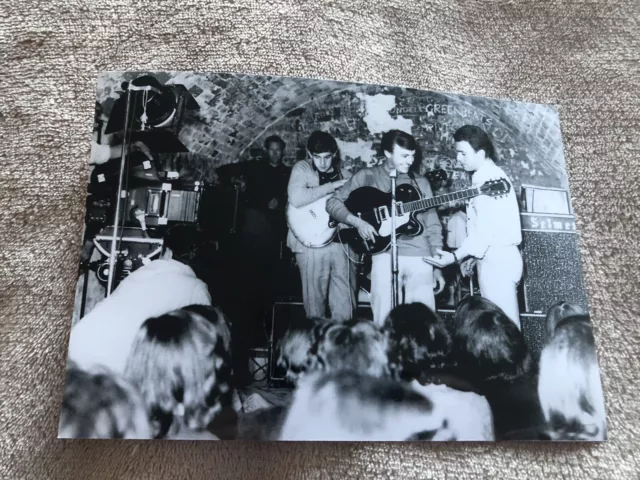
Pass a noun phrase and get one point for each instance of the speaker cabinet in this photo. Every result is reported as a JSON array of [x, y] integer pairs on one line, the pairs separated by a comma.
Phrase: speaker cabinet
[[552, 267]]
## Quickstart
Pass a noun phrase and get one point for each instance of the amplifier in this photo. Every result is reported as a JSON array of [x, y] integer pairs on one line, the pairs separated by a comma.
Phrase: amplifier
[[552, 266], [163, 204], [537, 199]]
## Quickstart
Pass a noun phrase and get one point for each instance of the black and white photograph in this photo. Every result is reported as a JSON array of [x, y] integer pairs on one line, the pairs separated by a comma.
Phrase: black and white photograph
[[279, 258]]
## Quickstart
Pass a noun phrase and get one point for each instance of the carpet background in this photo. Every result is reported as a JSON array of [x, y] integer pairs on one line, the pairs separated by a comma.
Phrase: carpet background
[[581, 56]]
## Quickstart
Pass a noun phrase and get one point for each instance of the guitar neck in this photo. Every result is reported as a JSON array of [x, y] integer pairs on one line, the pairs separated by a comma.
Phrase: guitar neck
[[426, 203]]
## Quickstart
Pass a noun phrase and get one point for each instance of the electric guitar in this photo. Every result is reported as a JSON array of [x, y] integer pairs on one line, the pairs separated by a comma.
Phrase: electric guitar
[[312, 225], [374, 206]]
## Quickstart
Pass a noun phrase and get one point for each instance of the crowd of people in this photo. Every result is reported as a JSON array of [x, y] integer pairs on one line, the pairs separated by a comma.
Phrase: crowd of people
[[413, 378]]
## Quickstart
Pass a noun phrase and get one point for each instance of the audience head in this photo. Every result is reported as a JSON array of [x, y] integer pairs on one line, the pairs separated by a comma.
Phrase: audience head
[[489, 345], [101, 404], [418, 340], [569, 385], [557, 313], [181, 367], [356, 345], [295, 346]]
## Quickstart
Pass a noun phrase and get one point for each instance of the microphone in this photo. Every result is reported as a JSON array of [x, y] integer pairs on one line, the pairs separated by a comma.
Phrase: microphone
[[393, 173]]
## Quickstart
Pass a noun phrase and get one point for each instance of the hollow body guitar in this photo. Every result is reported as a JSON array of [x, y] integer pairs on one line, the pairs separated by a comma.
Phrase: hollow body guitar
[[311, 223], [374, 206]]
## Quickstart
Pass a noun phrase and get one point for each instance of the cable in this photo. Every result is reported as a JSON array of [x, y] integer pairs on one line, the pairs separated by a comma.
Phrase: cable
[[346, 252]]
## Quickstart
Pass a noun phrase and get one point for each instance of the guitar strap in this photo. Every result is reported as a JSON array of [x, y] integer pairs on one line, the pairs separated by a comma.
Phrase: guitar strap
[[413, 178], [328, 176]]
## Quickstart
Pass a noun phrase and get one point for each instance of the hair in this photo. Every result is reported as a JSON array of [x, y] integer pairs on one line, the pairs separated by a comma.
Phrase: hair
[[477, 138], [274, 138], [321, 142], [295, 345], [569, 385], [215, 317], [418, 340], [493, 354], [358, 345], [180, 364], [490, 346], [557, 313], [400, 138], [97, 403], [325, 345]]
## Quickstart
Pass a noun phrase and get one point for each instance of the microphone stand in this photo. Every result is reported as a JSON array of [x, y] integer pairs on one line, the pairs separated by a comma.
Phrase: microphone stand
[[394, 244], [121, 193]]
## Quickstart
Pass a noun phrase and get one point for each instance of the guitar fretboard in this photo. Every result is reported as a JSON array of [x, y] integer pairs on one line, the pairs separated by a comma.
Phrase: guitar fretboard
[[426, 203]]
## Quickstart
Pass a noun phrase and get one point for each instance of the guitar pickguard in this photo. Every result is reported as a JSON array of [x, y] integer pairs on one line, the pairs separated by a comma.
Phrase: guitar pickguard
[[385, 226]]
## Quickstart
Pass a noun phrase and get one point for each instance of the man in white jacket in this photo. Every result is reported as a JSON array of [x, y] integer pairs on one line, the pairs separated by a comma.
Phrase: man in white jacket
[[493, 226]]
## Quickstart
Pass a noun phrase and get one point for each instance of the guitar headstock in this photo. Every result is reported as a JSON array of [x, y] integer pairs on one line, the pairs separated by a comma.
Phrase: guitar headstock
[[495, 188]]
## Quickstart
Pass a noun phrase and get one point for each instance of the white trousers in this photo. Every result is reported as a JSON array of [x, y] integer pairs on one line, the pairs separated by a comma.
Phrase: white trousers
[[415, 284], [328, 276], [499, 274]]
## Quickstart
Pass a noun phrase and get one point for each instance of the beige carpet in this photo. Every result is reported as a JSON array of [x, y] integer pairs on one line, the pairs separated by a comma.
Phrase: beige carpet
[[579, 55]]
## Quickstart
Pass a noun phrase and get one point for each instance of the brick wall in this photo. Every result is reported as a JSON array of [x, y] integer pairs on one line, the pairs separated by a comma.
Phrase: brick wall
[[238, 112]]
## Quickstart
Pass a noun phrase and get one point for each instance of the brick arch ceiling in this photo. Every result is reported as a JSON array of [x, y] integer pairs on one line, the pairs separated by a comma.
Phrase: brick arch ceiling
[[235, 110]]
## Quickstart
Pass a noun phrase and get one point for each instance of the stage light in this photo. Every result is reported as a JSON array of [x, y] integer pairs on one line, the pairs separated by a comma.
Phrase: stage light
[[156, 112]]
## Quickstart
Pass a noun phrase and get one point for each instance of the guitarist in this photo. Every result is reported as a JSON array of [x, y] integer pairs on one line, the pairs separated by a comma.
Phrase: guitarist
[[493, 227], [415, 277], [326, 272]]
